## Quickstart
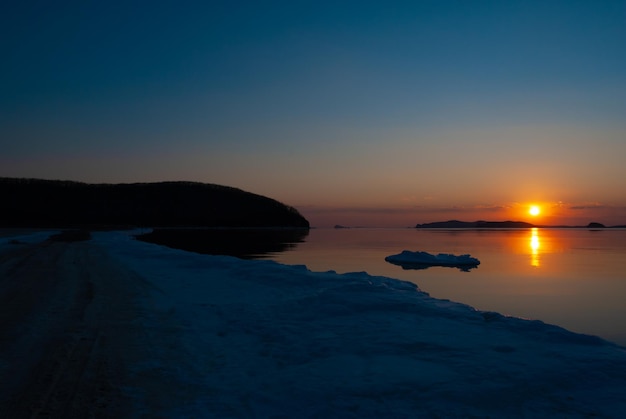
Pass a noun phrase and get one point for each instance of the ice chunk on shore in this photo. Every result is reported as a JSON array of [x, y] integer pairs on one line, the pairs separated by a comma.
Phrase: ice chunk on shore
[[423, 260]]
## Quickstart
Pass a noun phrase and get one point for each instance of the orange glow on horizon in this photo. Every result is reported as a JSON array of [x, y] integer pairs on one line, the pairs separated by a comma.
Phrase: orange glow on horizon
[[551, 213]]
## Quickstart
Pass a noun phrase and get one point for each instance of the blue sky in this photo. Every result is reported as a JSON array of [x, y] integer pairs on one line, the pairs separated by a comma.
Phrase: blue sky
[[338, 108]]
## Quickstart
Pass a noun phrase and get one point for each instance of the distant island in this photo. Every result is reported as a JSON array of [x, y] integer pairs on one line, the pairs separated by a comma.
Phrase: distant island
[[498, 224], [54, 203]]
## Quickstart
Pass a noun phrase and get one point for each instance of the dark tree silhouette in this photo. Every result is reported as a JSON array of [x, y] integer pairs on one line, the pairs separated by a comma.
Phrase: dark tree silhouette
[[51, 203]]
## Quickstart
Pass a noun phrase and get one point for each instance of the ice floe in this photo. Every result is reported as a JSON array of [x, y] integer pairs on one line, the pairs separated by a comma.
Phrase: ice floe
[[422, 260]]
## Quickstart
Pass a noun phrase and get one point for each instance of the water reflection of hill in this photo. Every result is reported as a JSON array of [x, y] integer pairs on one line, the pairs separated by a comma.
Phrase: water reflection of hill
[[242, 243]]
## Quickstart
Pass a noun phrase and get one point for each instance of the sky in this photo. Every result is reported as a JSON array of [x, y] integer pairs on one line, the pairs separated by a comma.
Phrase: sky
[[355, 112]]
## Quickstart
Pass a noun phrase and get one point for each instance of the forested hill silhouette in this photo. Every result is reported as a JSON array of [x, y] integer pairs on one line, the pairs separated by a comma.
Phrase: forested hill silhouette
[[53, 203]]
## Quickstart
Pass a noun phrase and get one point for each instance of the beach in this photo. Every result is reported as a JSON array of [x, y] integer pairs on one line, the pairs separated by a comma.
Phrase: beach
[[113, 327]]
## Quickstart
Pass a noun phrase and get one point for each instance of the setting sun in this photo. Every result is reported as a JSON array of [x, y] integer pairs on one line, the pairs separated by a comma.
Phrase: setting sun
[[534, 210]]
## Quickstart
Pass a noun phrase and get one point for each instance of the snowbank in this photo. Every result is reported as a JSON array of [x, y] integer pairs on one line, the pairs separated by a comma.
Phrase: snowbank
[[259, 339], [423, 260]]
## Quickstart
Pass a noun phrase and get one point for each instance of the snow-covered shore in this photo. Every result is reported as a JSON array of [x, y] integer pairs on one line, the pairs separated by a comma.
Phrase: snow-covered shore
[[219, 337], [260, 339]]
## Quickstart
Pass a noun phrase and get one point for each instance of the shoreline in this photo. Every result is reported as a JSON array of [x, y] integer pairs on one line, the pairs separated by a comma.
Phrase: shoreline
[[139, 329]]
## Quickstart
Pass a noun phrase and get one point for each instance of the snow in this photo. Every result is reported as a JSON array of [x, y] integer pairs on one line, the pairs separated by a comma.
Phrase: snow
[[259, 339], [15, 239], [423, 260]]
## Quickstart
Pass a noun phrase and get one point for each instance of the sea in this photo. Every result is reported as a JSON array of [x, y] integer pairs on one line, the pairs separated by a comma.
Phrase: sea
[[574, 278]]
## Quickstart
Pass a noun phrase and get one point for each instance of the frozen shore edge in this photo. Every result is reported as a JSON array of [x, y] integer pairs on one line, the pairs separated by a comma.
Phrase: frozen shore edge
[[240, 338]]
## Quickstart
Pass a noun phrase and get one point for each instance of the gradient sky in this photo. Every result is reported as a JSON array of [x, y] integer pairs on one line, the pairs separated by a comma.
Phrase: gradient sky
[[355, 112]]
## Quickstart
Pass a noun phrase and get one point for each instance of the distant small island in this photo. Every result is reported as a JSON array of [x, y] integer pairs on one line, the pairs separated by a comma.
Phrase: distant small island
[[54, 203], [498, 224]]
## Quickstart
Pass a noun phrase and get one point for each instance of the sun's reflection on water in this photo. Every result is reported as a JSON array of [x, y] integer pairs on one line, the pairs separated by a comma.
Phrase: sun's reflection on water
[[535, 245]]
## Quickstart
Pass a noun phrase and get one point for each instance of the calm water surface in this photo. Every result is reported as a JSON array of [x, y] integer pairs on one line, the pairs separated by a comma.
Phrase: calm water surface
[[573, 278]]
